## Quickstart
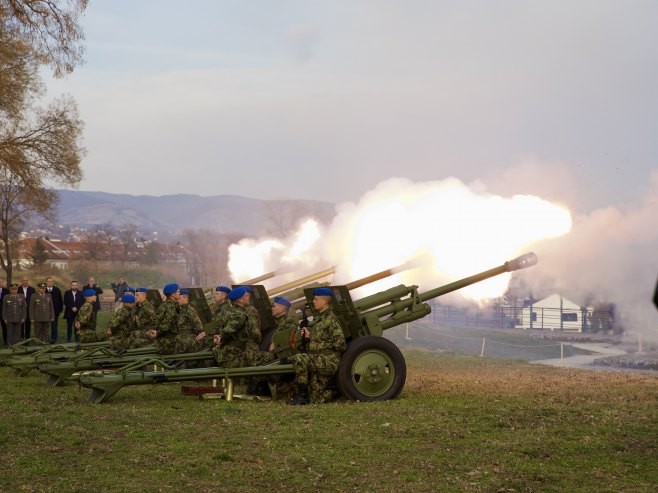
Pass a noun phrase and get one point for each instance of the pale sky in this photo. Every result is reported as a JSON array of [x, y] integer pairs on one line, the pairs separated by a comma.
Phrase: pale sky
[[315, 99]]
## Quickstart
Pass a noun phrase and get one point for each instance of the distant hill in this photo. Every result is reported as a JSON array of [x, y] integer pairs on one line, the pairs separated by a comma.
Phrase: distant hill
[[227, 214]]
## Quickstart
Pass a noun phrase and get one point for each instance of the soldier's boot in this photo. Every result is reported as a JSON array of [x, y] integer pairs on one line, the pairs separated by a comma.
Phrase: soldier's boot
[[301, 397]]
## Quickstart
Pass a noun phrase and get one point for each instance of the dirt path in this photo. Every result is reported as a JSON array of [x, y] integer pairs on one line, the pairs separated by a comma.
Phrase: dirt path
[[599, 350]]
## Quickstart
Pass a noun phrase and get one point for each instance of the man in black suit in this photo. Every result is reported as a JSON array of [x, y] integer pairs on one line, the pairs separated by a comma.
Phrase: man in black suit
[[27, 291], [58, 305], [3, 291], [91, 284], [73, 300]]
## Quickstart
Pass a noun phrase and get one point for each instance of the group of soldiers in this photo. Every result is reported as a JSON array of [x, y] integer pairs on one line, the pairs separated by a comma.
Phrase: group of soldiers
[[234, 338]]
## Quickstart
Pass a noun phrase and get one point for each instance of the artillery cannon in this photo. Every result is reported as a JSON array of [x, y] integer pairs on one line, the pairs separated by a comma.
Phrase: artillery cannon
[[372, 368], [60, 366]]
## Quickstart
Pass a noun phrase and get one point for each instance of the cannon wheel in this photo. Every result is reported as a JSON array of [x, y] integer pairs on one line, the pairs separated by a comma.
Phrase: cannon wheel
[[372, 369]]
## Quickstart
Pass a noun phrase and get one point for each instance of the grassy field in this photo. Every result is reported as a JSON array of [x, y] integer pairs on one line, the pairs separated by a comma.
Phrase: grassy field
[[462, 424]]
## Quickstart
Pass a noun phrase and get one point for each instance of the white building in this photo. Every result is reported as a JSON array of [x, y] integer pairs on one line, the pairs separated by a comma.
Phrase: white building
[[552, 313]]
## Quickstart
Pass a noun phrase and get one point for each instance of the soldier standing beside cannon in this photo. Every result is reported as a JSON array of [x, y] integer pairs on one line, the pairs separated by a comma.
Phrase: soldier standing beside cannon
[[42, 313], [85, 321], [325, 345], [121, 326]]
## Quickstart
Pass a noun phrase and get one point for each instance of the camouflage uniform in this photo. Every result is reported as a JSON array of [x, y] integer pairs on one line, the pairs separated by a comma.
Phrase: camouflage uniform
[[237, 348], [169, 339], [320, 362], [87, 318], [219, 314], [188, 320], [253, 328], [144, 319], [284, 386], [122, 327]]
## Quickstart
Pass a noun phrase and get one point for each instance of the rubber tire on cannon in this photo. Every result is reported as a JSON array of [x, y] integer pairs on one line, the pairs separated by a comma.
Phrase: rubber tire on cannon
[[371, 369]]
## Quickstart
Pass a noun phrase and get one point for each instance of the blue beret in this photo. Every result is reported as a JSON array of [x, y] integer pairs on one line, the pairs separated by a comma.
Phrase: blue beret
[[142, 290], [237, 293], [282, 301], [170, 289], [223, 289], [184, 291], [128, 298], [130, 290], [322, 292], [89, 292], [248, 289]]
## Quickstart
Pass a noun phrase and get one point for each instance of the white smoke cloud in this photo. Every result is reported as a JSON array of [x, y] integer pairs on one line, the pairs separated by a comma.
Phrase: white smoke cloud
[[458, 231], [611, 255]]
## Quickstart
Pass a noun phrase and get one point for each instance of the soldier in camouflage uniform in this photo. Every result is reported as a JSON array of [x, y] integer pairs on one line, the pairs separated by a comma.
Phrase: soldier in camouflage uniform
[[219, 310], [168, 338], [42, 312], [14, 313], [85, 320], [121, 326], [253, 328], [144, 319], [234, 347], [189, 321], [284, 384], [325, 345], [221, 300]]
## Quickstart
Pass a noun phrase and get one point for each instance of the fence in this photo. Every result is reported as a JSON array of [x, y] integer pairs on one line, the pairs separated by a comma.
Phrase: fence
[[525, 317]]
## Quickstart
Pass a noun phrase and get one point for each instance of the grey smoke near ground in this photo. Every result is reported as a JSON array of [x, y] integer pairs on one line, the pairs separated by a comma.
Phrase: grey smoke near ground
[[610, 255]]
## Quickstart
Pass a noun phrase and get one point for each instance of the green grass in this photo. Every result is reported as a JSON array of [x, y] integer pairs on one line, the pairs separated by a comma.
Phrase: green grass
[[461, 424]]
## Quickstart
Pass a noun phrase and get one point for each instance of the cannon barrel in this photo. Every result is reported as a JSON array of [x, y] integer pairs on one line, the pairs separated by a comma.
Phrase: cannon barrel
[[392, 295], [255, 280], [300, 282], [358, 283], [376, 277], [298, 293]]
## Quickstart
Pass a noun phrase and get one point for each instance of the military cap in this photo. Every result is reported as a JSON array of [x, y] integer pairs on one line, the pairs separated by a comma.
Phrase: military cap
[[131, 290], [282, 301], [223, 289], [41, 285], [322, 292], [13, 285], [89, 292], [237, 293], [141, 290], [184, 291], [249, 289], [128, 298], [170, 289]]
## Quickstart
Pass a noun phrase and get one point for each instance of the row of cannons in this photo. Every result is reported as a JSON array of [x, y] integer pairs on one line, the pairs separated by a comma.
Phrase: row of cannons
[[371, 369]]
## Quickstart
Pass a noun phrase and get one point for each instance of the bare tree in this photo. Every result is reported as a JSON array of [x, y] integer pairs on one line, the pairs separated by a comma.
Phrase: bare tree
[[17, 202], [39, 146], [98, 242], [282, 215], [127, 236], [208, 257]]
